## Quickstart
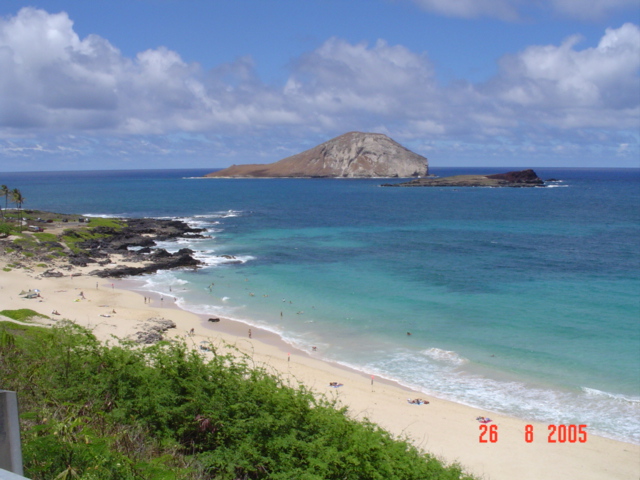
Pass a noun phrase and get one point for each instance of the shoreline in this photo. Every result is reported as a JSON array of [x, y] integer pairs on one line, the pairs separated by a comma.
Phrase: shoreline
[[443, 428], [239, 329]]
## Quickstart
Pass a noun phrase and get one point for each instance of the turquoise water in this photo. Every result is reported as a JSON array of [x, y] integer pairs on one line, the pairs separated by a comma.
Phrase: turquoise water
[[523, 301]]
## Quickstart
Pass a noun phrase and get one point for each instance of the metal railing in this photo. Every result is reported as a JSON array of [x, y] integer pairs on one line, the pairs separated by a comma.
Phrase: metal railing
[[10, 448]]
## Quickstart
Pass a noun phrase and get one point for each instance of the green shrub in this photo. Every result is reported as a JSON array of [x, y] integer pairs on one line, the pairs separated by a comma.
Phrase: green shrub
[[163, 412], [5, 229]]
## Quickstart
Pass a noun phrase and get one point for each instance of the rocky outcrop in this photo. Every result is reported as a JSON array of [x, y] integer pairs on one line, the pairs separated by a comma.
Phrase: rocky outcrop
[[151, 331], [352, 155], [139, 232], [160, 260], [523, 178]]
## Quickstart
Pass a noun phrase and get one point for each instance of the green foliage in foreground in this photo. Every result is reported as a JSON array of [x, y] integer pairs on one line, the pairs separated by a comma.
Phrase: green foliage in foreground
[[161, 412], [22, 315]]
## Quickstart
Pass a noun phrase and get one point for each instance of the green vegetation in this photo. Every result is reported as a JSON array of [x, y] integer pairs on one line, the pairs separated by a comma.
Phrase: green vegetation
[[6, 229], [26, 245], [25, 241], [46, 237], [15, 196], [116, 224], [44, 245], [90, 411], [22, 315], [98, 228]]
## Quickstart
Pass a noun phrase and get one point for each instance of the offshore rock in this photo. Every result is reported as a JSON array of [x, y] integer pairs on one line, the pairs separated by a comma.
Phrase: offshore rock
[[352, 155], [523, 178]]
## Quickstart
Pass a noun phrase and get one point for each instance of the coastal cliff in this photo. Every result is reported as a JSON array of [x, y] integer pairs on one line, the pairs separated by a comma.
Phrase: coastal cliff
[[523, 178], [352, 155]]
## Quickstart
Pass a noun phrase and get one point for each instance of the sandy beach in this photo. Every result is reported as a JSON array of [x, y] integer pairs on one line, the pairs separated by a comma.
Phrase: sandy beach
[[112, 310]]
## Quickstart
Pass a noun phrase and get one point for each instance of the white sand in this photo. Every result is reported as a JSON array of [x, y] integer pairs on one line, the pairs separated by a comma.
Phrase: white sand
[[446, 429]]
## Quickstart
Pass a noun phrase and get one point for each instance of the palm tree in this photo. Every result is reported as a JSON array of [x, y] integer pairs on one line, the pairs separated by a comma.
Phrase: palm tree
[[18, 199], [4, 192]]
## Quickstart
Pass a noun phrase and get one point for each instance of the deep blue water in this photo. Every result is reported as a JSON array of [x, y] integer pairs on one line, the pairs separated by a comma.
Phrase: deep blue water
[[524, 301]]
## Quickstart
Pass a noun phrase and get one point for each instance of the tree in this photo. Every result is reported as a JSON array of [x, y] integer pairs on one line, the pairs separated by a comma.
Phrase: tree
[[18, 199], [4, 192]]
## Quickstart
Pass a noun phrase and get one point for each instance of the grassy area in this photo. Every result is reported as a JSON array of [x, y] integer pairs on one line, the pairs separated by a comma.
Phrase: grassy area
[[97, 228], [163, 412], [114, 223], [45, 245], [46, 237], [22, 315]]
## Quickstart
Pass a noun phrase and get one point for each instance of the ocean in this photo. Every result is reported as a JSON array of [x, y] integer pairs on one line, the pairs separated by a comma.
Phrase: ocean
[[520, 301]]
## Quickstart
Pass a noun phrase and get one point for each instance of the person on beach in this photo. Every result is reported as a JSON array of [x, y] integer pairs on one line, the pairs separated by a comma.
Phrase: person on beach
[[249, 333]]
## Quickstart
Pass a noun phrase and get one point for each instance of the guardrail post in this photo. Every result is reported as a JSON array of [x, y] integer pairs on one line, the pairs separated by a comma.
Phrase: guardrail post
[[10, 449]]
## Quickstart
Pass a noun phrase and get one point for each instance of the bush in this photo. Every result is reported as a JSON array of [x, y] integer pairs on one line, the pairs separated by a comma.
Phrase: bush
[[90, 411], [5, 229]]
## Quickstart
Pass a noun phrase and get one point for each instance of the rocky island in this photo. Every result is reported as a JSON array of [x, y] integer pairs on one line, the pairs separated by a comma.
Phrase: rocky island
[[352, 155], [523, 178]]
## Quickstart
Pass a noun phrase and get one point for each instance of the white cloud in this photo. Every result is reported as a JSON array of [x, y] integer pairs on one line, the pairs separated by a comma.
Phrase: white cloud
[[354, 80], [571, 88], [54, 83], [593, 10], [511, 10], [57, 81], [503, 9]]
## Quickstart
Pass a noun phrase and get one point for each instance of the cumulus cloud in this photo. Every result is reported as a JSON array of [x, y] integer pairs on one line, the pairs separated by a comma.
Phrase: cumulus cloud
[[342, 82], [55, 80], [511, 10], [571, 88], [54, 83]]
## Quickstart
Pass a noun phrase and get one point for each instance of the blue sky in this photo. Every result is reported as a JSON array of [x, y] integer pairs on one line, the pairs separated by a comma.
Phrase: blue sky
[[192, 83]]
